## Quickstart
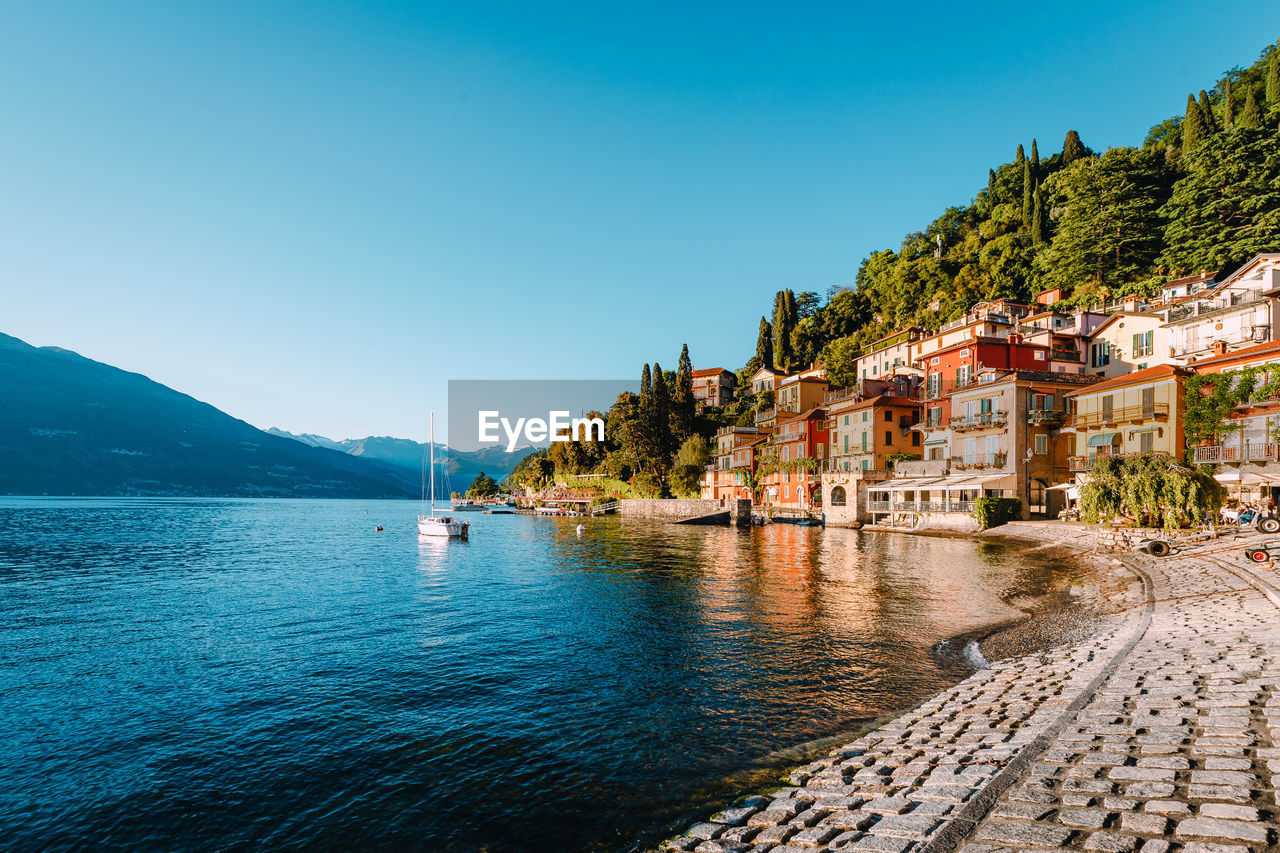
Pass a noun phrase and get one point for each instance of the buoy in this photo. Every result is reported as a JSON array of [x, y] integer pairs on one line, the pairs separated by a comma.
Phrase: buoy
[[581, 529], [379, 527]]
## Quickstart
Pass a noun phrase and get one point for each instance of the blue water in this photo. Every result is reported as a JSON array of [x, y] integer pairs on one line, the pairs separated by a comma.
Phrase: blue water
[[202, 674]]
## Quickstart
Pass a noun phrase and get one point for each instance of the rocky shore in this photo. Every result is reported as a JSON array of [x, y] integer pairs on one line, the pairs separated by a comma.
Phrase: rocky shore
[[1135, 710]]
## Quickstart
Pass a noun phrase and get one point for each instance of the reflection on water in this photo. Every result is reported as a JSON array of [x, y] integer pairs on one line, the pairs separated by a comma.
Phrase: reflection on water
[[181, 673]]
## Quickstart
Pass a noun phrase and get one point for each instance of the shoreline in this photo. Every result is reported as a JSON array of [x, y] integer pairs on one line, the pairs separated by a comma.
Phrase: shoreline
[[1063, 615]]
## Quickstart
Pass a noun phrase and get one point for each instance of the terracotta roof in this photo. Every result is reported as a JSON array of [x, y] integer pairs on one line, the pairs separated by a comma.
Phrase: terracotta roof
[[788, 417], [710, 371], [1118, 315], [1247, 352], [1160, 371]]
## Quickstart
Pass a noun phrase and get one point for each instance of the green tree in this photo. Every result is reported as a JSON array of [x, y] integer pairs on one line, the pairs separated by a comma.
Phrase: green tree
[[1227, 207], [1027, 191], [1035, 161], [808, 303], [1206, 113], [1193, 129], [646, 382], [1273, 81], [683, 405], [1072, 149], [839, 358], [483, 486], [655, 415], [1108, 231], [784, 323], [1228, 105], [1251, 116], [764, 344], [1152, 490], [688, 467], [1037, 217]]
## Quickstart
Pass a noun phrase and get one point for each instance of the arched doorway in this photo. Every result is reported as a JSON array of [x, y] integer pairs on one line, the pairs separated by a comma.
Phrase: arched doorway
[[837, 496], [815, 495], [1037, 500]]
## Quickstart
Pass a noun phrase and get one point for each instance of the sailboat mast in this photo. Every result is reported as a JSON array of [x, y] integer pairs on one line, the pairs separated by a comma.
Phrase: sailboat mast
[[432, 442]]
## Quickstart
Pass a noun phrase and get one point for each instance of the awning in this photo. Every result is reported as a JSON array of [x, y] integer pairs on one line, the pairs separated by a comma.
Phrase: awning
[[1103, 439], [907, 484], [1244, 478]]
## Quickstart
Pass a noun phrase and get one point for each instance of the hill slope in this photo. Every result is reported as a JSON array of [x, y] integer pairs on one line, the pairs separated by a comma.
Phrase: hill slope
[[73, 426]]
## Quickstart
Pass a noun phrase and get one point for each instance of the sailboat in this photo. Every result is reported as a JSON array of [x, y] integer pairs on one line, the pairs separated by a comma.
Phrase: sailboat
[[439, 525]]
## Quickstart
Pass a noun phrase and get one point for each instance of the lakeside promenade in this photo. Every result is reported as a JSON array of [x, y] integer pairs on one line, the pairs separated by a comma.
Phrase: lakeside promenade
[[1157, 733]]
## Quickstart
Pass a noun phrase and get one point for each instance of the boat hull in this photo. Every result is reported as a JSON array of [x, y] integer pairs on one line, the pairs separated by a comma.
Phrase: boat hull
[[442, 527]]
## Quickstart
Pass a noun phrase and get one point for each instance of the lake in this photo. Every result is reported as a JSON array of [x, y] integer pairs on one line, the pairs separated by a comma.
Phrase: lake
[[235, 674]]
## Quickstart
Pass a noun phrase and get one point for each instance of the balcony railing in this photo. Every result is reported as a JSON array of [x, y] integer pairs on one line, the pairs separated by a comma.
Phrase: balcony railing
[[979, 421], [1254, 334], [1248, 452], [1128, 414], [978, 460], [921, 506]]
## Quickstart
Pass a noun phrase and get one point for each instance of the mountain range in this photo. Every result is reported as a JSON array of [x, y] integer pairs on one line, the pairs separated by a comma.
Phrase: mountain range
[[73, 426]]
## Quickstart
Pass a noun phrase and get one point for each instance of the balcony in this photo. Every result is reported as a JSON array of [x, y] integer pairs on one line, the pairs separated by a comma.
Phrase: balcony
[[920, 506], [1046, 417], [978, 461], [1253, 334], [1128, 414], [1249, 452], [982, 420]]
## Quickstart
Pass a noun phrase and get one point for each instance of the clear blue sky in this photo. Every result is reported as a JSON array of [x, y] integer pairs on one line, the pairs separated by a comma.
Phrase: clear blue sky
[[313, 215]]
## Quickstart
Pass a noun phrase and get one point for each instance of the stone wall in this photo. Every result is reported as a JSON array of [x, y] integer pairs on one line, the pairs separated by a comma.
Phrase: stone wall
[[677, 509]]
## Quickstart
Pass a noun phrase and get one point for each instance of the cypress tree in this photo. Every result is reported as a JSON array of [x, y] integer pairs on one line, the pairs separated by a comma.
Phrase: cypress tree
[[1273, 81], [1035, 161], [1021, 157], [1251, 116], [1228, 106], [646, 383], [1037, 217], [661, 445], [991, 185], [1072, 148], [1206, 112], [1193, 132], [784, 322], [685, 367], [764, 344], [1026, 194], [684, 406]]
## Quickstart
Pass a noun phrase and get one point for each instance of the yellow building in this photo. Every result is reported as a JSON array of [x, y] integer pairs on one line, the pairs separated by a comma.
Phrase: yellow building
[[1140, 412], [1127, 342]]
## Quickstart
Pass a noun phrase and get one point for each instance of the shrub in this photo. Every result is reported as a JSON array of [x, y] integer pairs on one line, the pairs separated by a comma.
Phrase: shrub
[[993, 512], [1151, 490]]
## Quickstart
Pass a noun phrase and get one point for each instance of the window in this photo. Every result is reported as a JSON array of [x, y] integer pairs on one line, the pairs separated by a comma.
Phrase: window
[[1100, 354], [864, 441], [1147, 442], [866, 464], [837, 496], [915, 439], [970, 450], [962, 374], [888, 416], [935, 385], [888, 436], [934, 360], [1039, 355], [786, 451], [964, 353], [1143, 344], [1042, 444], [993, 447], [934, 417]]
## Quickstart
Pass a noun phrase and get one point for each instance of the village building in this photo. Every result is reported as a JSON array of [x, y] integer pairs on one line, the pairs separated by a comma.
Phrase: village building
[[1000, 439], [713, 386], [1127, 342], [1240, 311], [1251, 429], [1139, 412], [765, 379], [718, 480], [791, 474], [953, 368], [867, 433], [891, 354], [1066, 336]]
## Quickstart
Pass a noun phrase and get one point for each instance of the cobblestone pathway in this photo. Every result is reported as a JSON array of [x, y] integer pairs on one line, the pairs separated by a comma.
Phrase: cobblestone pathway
[[1157, 735]]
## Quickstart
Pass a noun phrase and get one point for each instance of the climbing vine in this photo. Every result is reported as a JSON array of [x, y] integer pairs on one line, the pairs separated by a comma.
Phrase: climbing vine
[[1211, 398], [1151, 490]]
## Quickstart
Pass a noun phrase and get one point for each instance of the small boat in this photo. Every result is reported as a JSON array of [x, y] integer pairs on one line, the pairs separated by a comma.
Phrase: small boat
[[439, 525], [468, 506]]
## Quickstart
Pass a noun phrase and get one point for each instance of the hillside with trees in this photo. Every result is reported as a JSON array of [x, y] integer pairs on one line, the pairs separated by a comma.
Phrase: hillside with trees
[[1201, 192]]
